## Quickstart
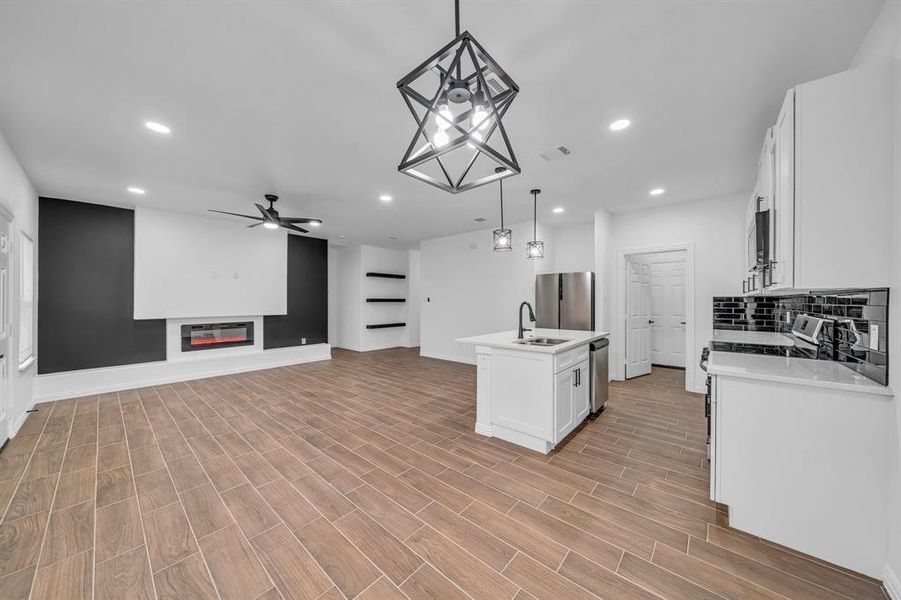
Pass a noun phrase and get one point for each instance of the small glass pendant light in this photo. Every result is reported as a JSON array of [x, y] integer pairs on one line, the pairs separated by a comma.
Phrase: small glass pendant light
[[535, 248], [503, 238]]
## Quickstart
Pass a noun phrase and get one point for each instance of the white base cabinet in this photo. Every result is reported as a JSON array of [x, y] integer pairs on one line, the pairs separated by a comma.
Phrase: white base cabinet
[[530, 398], [806, 467]]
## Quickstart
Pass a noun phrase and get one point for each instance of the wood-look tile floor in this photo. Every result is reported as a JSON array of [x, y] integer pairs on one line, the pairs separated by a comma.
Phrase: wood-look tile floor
[[361, 477]]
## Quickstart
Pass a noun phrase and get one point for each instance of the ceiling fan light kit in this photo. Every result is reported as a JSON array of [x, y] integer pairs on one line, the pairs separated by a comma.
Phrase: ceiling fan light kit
[[460, 138]]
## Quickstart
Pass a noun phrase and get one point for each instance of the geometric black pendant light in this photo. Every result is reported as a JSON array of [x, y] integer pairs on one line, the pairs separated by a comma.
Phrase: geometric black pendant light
[[503, 238], [458, 98], [535, 248]]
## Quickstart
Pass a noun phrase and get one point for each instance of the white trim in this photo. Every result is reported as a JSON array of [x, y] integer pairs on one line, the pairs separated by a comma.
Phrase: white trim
[[619, 322], [892, 583], [58, 386], [483, 430], [26, 363], [14, 427]]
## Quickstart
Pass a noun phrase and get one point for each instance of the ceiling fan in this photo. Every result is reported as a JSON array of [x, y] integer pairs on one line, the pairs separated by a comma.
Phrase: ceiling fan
[[270, 218]]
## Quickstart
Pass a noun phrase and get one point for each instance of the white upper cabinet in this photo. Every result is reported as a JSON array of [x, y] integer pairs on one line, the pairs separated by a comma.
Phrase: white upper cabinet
[[830, 183], [782, 221]]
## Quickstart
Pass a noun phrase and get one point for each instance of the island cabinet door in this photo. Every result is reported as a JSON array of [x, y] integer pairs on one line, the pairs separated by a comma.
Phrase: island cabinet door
[[564, 418], [581, 395]]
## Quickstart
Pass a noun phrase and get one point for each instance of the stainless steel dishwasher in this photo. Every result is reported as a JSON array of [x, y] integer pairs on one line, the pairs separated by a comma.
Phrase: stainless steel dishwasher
[[599, 374]]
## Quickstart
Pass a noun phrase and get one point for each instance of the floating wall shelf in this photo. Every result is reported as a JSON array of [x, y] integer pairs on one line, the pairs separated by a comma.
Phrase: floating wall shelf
[[387, 275], [386, 325], [386, 299]]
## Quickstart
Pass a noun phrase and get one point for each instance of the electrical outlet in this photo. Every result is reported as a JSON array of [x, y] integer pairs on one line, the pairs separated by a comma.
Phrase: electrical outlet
[[874, 337], [788, 316], [303, 341]]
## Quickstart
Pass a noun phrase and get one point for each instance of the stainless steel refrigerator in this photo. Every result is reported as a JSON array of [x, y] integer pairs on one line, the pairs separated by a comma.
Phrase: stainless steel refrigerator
[[565, 300]]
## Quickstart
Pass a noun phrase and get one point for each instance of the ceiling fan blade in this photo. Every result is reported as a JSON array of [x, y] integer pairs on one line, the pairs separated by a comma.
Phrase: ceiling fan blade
[[300, 220], [265, 212], [254, 225], [293, 227], [235, 214]]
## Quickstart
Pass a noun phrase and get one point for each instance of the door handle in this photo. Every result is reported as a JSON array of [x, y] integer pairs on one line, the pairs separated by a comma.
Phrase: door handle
[[650, 320], [681, 322]]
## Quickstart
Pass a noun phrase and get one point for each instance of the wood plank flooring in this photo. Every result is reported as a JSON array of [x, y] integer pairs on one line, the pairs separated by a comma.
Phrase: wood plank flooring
[[361, 477]]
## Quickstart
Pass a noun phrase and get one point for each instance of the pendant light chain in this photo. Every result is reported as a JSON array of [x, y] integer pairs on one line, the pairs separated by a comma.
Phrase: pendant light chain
[[502, 203], [534, 215]]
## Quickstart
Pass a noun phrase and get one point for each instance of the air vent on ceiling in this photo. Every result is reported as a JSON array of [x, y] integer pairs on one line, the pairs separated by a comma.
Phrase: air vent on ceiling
[[480, 219], [554, 153]]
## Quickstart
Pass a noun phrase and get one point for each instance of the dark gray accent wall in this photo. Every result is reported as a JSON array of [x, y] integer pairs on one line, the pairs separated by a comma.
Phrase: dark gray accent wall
[[307, 297], [86, 290]]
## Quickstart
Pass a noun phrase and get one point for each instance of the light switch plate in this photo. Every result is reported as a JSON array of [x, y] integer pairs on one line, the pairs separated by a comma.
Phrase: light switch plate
[[303, 341], [874, 337]]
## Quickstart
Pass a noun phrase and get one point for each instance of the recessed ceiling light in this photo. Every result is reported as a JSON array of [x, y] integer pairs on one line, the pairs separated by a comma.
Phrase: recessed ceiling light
[[340, 237], [136, 190], [656, 191], [157, 127], [385, 198], [558, 210], [620, 124]]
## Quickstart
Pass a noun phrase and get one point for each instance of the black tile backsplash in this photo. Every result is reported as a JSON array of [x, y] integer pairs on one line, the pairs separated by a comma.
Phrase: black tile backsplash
[[853, 317]]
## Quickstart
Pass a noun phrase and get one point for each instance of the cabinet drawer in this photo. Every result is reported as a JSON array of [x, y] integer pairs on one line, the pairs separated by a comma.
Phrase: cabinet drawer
[[567, 359]]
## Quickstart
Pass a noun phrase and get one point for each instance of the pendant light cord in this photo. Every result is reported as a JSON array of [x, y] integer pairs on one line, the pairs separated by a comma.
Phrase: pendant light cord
[[534, 216], [457, 17], [502, 203]]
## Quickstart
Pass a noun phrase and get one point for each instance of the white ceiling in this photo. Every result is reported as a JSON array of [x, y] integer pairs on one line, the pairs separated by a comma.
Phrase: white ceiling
[[299, 98]]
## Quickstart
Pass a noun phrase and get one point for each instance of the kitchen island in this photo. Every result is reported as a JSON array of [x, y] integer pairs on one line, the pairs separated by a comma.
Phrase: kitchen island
[[532, 394]]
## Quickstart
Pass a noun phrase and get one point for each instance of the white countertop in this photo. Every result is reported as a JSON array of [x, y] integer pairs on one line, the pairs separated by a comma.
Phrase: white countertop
[[505, 339], [801, 371], [761, 338]]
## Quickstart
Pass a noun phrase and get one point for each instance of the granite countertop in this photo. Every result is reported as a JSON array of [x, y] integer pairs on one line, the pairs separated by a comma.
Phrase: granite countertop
[[760, 338], [505, 339], [800, 371]]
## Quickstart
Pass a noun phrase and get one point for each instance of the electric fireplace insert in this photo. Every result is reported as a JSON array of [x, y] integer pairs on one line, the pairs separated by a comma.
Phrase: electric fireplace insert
[[207, 336]]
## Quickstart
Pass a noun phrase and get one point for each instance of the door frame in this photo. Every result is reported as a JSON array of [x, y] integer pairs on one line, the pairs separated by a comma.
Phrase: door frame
[[620, 322]]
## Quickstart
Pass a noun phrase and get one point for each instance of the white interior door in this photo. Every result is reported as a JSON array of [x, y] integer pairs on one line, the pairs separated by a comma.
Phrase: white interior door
[[638, 317], [667, 309], [5, 327]]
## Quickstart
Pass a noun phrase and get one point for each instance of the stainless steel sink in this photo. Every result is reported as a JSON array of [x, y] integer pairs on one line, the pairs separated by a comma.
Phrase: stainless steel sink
[[540, 341]]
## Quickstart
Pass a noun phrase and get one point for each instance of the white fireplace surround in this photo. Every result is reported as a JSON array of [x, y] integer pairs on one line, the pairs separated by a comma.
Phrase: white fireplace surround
[[179, 366]]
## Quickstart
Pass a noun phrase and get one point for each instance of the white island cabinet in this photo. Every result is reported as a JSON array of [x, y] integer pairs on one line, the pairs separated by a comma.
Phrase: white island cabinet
[[532, 395]]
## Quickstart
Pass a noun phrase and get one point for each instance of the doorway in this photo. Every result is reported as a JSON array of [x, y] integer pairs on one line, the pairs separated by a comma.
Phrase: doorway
[[657, 310]]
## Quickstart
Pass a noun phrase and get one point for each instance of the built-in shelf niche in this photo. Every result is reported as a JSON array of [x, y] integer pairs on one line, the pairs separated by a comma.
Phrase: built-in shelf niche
[[386, 299], [386, 275], [385, 325]]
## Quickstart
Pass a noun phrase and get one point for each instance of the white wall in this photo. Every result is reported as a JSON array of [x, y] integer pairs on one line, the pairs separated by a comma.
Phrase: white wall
[[884, 41], [573, 248], [714, 227], [602, 249], [349, 314], [414, 299], [190, 266], [19, 197], [469, 289]]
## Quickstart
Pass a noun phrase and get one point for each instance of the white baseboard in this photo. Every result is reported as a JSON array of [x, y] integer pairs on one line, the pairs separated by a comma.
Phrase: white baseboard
[[448, 357], [892, 583], [71, 384], [483, 429], [15, 427]]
